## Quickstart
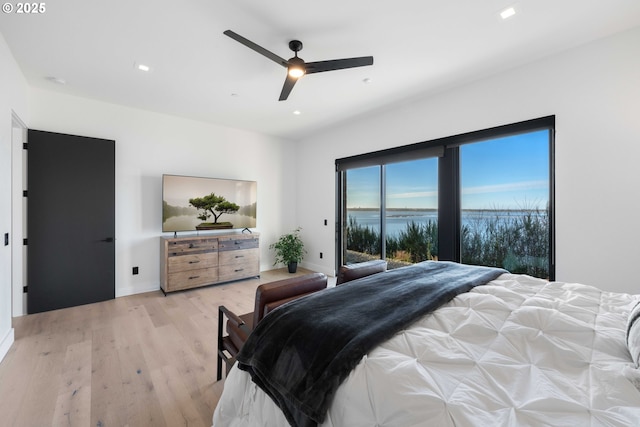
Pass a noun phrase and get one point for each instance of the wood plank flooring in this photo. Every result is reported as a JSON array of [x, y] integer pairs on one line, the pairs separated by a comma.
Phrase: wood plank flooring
[[142, 360]]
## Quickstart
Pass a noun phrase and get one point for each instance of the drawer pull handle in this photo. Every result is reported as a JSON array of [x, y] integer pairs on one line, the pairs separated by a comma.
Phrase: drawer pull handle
[[194, 262], [238, 270], [239, 256], [193, 277]]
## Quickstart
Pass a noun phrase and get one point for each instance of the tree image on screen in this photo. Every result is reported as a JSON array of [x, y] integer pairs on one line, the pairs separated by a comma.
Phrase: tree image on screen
[[213, 205]]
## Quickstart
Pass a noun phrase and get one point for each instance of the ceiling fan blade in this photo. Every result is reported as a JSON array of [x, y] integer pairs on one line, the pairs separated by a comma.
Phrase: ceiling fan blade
[[286, 88], [338, 64], [251, 45]]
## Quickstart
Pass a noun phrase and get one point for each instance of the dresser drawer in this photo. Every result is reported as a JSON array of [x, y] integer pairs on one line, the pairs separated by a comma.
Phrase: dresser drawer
[[227, 273], [191, 278], [191, 246], [238, 257], [237, 243], [192, 262]]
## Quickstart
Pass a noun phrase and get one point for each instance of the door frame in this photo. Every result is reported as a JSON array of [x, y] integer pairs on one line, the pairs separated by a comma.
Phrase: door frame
[[18, 215]]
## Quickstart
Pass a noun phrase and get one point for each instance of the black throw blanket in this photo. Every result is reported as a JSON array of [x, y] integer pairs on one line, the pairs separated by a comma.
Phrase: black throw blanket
[[300, 353]]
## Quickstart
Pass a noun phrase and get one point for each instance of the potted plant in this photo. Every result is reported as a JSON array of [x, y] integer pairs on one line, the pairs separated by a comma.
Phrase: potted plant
[[289, 250]]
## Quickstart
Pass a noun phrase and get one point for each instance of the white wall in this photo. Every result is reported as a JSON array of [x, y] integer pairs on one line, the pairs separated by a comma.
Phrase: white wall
[[150, 144], [13, 99], [593, 90]]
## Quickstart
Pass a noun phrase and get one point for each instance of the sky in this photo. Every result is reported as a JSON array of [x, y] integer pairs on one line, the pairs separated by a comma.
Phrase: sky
[[504, 173]]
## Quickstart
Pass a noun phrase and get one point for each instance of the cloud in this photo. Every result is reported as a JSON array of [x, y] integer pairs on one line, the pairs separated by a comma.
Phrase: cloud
[[511, 186], [413, 195], [482, 189]]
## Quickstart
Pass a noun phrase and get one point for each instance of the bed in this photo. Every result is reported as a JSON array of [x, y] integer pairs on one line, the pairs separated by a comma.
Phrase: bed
[[514, 351]]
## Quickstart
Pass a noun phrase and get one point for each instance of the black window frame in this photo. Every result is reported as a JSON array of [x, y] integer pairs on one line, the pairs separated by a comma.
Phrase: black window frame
[[449, 197]]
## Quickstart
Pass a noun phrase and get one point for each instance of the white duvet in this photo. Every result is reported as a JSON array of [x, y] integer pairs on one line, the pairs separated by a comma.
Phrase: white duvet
[[518, 351]]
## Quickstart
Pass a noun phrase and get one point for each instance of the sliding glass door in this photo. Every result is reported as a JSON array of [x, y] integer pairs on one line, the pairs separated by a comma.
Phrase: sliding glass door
[[411, 211], [391, 209], [362, 223]]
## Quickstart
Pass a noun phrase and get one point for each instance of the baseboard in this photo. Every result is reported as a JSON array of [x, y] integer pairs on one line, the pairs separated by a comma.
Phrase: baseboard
[[6, 343], [131, 290]]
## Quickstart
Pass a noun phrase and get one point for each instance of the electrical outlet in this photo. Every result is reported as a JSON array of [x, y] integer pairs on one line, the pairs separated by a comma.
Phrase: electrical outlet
[[135, 270]]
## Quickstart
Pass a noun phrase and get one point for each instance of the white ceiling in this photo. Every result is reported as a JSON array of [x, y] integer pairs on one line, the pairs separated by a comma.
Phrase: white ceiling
[[419, 47]]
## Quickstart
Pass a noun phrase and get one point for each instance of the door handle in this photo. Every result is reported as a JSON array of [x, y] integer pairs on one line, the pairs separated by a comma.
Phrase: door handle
[[108, 240]]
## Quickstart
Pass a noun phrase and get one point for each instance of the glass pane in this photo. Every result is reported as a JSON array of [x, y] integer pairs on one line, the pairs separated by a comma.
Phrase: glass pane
[[505, 203], [361, 224], [411, 215]]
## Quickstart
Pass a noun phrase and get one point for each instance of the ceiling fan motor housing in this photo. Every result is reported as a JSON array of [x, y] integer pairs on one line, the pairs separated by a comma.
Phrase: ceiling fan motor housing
[[295, 45]]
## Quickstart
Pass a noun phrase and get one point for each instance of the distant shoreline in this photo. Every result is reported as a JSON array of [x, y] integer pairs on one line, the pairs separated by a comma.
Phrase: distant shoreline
[[435, 210], [395, 209]]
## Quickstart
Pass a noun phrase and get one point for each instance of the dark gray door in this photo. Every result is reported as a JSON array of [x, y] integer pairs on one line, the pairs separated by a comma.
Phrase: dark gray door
[[70, 220]]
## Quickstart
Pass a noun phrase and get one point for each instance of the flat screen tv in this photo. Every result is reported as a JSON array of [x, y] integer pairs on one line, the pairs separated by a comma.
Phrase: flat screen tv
[[196, 203]]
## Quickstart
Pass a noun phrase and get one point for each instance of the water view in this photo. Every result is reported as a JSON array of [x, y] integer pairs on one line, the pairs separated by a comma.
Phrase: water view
[[397, 219]]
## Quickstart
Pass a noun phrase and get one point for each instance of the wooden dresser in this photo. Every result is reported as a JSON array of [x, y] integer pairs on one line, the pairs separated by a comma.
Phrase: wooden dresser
[[193, 261]]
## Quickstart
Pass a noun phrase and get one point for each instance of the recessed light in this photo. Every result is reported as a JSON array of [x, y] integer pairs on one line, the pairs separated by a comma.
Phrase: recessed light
[[297, 113], [507, 13], [367, 80], [141, 67], [57, 80]]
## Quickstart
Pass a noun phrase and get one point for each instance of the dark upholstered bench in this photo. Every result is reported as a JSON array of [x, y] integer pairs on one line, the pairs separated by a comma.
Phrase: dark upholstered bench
[[350, 272], [269, 296]]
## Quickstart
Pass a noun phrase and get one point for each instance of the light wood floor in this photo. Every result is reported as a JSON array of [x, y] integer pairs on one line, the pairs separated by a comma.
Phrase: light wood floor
[[142, 360]]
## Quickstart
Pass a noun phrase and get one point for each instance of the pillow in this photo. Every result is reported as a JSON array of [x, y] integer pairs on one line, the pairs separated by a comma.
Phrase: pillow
[[633, 334]]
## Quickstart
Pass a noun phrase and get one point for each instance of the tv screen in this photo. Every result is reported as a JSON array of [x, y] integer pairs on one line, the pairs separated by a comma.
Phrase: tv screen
[[196, 203]]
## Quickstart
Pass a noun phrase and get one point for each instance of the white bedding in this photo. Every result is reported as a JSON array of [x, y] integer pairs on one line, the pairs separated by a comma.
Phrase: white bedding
[[518, 351]]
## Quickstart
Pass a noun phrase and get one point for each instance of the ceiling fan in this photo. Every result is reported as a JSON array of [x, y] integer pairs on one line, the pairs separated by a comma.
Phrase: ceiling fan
[[296, 67]]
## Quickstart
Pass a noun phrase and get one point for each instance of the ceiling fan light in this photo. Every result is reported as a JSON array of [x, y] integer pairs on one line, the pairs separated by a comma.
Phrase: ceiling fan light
[[296, 67], [296, 72]]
